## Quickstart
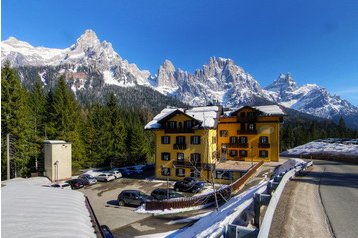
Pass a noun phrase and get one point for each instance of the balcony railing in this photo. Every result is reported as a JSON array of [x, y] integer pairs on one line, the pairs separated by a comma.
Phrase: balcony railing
[[187, 164], [237, 145], [246, 132], [247, 119], [179, 146], [178, 130], [264, 145]]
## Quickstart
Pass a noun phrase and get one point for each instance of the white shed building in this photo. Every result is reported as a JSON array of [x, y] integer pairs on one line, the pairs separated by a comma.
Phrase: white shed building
[[58, 159]]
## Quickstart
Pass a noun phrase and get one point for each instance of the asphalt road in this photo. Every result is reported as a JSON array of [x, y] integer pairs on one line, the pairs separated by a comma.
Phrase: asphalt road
[[321, 203], [338, 189]]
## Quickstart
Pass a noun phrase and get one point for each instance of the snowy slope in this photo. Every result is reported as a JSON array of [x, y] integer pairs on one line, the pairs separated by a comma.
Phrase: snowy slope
[[322, 147], [309, 98]]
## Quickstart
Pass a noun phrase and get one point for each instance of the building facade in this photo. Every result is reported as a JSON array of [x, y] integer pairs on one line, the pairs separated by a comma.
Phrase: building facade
[[250, 134], [185, 142], [206, 141], [58, 160]]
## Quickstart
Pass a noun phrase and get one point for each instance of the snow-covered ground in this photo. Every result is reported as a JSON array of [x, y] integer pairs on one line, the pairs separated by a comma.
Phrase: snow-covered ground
[[318, 147], [29, 209]]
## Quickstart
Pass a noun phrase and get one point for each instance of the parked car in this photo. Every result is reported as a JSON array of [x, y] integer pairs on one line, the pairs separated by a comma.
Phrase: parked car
[[76, 183], [89, 179], [162, 193], [136, 169], [133, 197], [116, 174], [124, 171], [105, 177], [189, 184]]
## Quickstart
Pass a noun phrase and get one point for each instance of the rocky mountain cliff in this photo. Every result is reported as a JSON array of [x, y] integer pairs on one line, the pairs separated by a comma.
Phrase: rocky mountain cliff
[[90, 65]]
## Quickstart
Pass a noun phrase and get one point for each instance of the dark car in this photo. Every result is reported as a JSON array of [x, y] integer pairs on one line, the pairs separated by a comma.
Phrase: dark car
[[190, 185], [162, 193], [133, 197], [76, 183]]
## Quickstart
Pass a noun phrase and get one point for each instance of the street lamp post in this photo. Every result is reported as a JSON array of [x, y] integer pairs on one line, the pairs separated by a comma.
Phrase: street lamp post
[[162, 167], [252, 156]]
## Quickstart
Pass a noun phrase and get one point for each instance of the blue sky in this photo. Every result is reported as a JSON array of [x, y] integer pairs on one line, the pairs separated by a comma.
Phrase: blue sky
[[316, 41]]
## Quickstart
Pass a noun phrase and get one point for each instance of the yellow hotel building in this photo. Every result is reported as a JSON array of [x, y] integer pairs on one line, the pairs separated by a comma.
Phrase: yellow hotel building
[[205, 141]]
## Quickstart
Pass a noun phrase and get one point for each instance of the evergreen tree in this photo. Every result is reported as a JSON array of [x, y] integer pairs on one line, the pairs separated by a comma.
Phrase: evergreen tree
[[64, 121], [117, 145], [15, 120], [37, 104]]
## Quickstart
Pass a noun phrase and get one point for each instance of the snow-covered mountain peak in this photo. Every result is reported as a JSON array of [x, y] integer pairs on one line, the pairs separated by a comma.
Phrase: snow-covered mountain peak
[[87, 40], [283, 83], [167, 66]]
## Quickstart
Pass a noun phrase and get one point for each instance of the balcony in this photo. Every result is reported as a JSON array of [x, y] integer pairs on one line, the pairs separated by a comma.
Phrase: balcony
[[246, 132], [237, 145], [247, 119], [264, 145], [187, 164], [178, 130], [179, 146]]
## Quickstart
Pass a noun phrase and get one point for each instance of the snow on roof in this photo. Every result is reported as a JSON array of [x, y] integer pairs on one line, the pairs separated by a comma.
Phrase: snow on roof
[[267, 110], [32, 210], [270, 110], [206, 115], [55, 142], [153, 124]]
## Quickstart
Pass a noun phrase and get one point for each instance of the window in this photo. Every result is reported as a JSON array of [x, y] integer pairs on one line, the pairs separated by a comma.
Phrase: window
[[188, 124], [251, 127], [263, 153], [180, 172], [233, 153], [165, 139], [172, 124], [195, 140], [194, 173], [250, 115], [180, 140], [166, 171], [264, 140], [233, 139], [242, 114], [223, 174], [242, 139], [213, 139], [223, 133], [180, 156], [166, 156], [243, 153], [195, 158]]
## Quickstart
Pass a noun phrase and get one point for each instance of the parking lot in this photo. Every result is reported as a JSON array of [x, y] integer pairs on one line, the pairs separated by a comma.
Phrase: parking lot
[[123, 220]]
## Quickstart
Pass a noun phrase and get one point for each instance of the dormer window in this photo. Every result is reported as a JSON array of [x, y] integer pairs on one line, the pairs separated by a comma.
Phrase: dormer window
[[188, 124], [172, 124]]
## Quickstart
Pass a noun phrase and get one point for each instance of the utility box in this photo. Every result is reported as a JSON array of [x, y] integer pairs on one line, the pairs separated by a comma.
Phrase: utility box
[[58, 160]]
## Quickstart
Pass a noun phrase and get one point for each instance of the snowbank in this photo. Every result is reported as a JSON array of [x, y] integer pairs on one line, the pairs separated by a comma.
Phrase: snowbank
[[288, 165], [32, 210], [217, 220], [316, 147]]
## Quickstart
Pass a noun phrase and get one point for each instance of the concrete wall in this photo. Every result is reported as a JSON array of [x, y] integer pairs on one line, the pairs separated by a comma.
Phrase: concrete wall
[[61, 152]]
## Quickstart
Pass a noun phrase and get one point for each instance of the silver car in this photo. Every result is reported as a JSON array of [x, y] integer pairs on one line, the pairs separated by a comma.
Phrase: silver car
[[89, 179], [105, 177]]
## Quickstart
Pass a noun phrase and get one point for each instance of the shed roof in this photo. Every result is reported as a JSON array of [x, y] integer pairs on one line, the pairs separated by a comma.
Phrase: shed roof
[[56, 142]]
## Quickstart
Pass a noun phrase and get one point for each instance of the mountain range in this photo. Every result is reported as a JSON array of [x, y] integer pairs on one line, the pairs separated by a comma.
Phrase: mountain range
[[91, 67]]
